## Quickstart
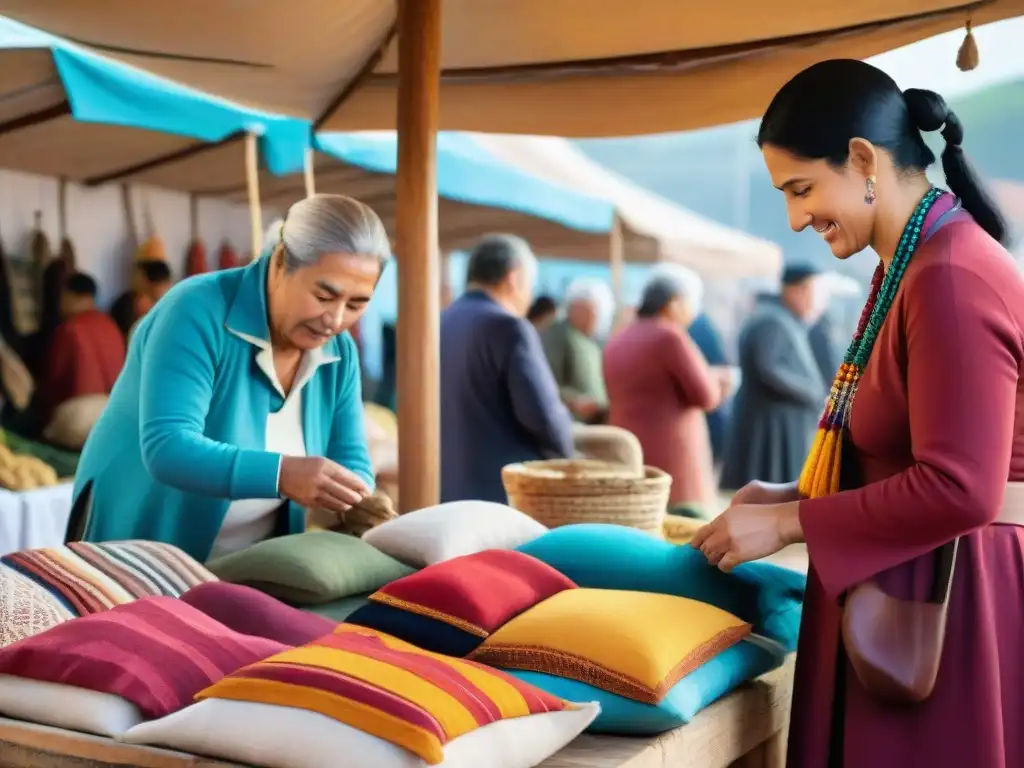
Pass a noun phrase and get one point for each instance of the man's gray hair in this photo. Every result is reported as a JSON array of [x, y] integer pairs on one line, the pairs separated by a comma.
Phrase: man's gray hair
[[495, 256], [595, 292], [667, 282], [332, 224], [589, 289]]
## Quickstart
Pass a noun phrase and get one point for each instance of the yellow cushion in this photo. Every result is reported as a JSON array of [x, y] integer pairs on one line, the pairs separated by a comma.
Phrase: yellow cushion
[[634, 644]]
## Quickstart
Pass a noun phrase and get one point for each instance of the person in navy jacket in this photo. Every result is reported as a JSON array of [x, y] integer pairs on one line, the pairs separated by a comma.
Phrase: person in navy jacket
[[499, 399]]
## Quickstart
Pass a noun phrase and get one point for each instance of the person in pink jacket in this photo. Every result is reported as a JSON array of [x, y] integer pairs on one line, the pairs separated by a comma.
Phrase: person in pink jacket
[[660, 386]]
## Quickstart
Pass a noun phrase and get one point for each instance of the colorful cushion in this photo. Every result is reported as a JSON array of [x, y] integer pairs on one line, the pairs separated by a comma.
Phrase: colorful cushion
[[615, 557], [634, 644], [452, 606], [378, 702], [439, 533], [26, 609], [87, 578], [252, 612], [310, 568], [156, 653], [704, 686]]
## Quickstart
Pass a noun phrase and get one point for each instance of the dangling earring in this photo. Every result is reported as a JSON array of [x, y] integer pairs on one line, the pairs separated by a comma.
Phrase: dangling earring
[[869, 196]]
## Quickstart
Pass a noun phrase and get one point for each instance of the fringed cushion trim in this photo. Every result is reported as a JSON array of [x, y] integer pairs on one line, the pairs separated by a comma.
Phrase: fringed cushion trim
[[422, 610], [533, 658]]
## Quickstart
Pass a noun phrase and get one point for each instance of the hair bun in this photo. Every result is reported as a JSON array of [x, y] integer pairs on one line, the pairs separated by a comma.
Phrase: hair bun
[[930, 112], [953, 133]]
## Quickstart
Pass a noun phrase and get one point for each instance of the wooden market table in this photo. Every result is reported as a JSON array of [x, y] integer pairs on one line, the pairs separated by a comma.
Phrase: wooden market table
[[744, 730]]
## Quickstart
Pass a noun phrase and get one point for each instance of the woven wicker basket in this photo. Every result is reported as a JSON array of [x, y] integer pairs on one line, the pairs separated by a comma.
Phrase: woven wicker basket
[[566, 491]]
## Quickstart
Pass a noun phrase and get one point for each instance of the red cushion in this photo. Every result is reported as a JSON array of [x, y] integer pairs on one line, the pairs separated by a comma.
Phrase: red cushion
[[157, 653], [252, 612], [478, 592]]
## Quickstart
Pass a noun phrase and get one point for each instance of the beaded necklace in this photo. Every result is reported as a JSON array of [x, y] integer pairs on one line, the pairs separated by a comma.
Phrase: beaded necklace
[[820, 475]]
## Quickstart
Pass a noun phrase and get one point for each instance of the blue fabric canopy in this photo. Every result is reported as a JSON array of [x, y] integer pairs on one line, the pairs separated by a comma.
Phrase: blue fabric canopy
[[101, 90], [468, 173]]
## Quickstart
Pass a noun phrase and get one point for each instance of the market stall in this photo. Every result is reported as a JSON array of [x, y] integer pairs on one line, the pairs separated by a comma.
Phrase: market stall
[[648, 66], [648, 70]]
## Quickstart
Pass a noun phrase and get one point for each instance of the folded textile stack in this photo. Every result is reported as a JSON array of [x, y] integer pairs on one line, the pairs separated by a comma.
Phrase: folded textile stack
[[477, 637], [132, 673], [40, 588]]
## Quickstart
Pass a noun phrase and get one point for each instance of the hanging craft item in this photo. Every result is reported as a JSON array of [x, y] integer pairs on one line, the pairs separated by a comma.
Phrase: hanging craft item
[[16, 383], [24, 276], [195, 259], [967, 57], [8, 329], [67, 249], [153, 247], [227, 258]]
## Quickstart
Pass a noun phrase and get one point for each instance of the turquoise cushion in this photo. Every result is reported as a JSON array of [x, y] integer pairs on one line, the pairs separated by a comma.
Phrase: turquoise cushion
[[699, 689], [615, 557]]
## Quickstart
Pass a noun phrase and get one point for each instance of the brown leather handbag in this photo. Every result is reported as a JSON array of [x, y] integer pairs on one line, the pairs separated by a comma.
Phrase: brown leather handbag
[[895, 645]]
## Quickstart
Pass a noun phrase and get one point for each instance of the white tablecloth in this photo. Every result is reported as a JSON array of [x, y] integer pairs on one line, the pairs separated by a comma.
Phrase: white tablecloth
[[34, 518]]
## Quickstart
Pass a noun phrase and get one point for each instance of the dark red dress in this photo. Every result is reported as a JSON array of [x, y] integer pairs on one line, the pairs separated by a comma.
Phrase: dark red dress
[[938, 427], [659, 388]]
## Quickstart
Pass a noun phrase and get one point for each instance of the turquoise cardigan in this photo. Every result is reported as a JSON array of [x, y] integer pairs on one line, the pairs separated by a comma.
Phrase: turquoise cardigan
[[184, 431]]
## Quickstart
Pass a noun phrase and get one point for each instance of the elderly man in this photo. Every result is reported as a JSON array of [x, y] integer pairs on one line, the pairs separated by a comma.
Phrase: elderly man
[[782, 391], [499, 401], [573, 352]]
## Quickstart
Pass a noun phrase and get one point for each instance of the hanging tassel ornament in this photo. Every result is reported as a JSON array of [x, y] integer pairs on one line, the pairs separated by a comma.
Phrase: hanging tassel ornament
[[967, 56]]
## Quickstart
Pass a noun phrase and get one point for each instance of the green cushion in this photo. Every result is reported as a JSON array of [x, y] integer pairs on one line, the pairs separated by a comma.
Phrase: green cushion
[[310, 568], [339, 610]]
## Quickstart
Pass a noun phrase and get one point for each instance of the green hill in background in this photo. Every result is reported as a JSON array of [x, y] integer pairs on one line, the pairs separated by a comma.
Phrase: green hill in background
[[718, 172]]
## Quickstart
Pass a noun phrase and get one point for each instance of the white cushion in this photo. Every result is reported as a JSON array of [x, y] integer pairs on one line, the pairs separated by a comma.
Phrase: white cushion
[[284, 737], [436, 534], [65, 706]]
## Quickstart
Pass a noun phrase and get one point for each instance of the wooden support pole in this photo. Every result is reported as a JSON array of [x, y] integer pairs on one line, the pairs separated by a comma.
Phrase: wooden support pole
[[419, 306], [307, 173], [616, 259], [252, 179]]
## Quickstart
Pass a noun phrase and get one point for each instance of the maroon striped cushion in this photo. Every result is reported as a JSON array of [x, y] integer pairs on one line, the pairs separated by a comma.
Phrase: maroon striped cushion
[[252, 612], [157, 653]]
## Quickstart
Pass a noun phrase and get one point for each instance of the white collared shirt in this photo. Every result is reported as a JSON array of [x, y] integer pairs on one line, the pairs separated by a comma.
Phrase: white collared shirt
[[249, 521]]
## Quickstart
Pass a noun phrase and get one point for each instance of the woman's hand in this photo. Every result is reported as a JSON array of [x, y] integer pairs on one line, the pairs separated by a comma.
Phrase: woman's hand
[[311, 482], [748, 532]]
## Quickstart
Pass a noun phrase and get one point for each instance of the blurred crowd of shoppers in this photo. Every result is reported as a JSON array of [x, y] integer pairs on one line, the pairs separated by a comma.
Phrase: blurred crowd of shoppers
[[518, 372]]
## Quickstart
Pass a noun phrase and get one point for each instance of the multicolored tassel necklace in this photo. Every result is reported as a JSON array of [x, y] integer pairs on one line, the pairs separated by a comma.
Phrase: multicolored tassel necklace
[[820, 475]]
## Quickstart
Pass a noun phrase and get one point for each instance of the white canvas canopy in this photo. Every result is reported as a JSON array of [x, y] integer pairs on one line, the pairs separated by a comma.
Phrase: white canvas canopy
[[652, 226], [554, 67]]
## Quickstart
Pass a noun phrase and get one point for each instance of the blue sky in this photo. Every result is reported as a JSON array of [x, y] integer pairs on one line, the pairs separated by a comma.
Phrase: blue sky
[[931, 63]]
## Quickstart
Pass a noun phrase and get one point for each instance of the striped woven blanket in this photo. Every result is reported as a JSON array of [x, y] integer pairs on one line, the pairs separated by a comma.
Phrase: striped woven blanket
[[387, 688], [88, 578]]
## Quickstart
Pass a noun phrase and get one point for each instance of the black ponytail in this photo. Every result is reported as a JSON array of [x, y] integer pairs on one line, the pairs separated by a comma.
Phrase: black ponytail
[[818, 112], [930, 112]]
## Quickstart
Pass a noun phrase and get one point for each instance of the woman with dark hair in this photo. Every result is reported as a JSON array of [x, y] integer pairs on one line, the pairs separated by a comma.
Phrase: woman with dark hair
[[542, 312], [921, 443]]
